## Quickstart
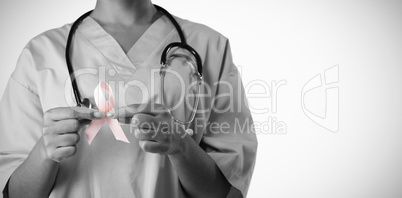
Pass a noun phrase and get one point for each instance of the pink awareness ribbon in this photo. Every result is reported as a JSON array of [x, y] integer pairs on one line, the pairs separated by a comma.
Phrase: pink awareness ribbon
[[104, 106]]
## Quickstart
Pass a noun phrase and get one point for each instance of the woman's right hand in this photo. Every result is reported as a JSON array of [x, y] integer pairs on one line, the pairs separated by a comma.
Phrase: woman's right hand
[[60, 132]]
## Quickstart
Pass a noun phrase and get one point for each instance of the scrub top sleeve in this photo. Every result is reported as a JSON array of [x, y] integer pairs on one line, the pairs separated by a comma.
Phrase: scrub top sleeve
[[229, 136], [21, 120]]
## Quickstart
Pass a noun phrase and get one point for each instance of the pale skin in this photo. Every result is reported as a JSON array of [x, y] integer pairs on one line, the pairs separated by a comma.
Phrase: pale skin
[[184, 153], [126, 21], [36, 175]]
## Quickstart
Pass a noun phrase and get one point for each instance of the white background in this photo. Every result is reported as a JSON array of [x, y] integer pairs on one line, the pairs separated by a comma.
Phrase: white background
[[292, 41]]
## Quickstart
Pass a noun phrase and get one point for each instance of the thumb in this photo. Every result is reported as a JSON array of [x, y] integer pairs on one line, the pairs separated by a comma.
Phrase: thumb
[[84, 113]]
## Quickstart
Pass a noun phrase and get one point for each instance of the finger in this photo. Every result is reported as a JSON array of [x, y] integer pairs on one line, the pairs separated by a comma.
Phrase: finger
[[65, 126], [62, 126], [63, 152], [128, 117], [130, 110], [85, 122], [145, 135], [68, 139], [145, 121], [146, 126], [62, 113], [152, 147], [84, 113]]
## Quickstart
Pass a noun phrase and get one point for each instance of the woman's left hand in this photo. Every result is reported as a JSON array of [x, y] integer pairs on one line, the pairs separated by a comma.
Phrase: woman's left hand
[[153, 126]]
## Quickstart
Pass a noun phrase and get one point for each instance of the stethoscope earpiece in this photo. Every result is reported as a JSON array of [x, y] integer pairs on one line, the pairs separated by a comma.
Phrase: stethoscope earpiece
[[86, 103]]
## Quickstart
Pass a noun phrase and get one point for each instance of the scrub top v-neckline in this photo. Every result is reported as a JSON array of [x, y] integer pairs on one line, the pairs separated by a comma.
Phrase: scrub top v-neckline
[[113, 52]]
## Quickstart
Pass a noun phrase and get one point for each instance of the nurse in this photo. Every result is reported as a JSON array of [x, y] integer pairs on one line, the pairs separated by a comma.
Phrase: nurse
[[43, 148]]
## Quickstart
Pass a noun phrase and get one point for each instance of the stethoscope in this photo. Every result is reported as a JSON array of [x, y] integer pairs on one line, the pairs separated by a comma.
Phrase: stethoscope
[[182, 44]]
